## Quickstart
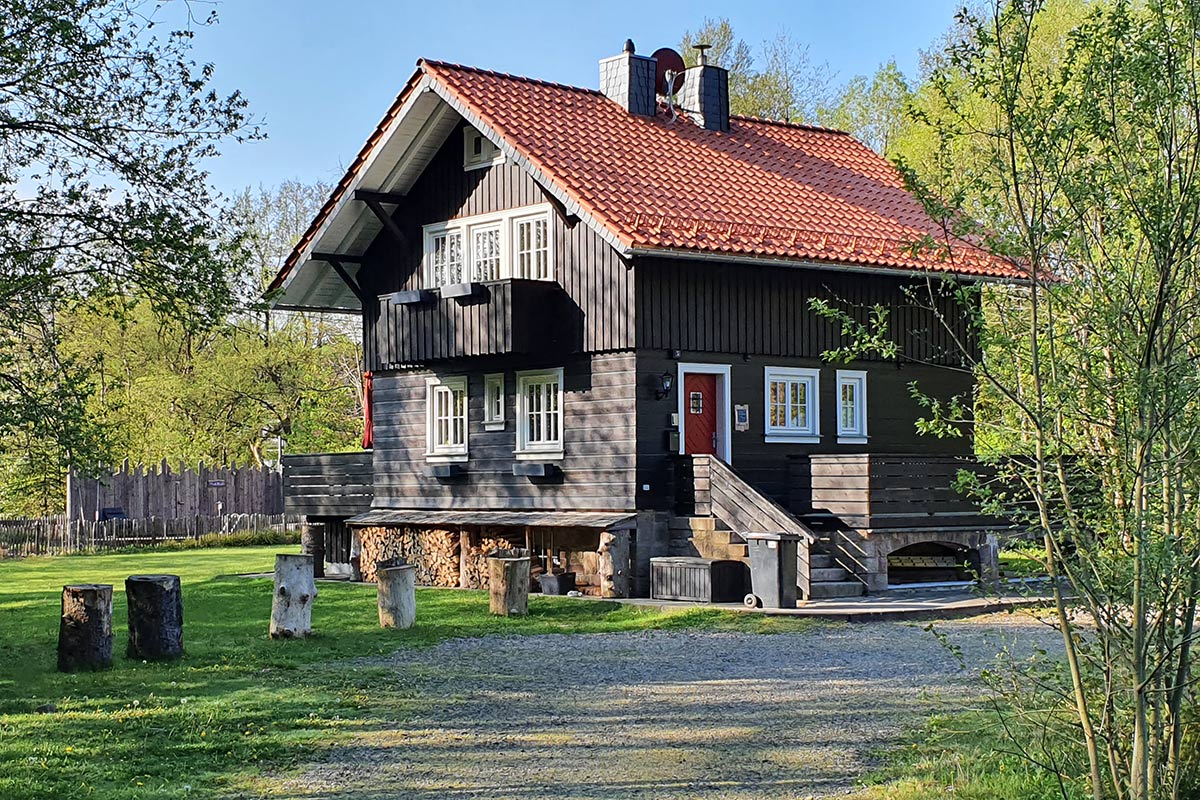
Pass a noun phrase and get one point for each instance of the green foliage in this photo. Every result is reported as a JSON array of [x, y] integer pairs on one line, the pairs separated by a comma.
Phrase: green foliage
[[874, 109], [104, 125], [789, 87], [869, 338], [238, 703]]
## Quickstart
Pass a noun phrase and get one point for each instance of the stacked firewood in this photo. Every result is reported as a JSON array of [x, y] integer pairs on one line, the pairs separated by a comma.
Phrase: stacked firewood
[[435, 553], [475, 568]]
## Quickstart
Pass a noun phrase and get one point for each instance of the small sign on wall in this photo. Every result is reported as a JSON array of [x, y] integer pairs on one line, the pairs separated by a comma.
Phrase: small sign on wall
[[741, 417]]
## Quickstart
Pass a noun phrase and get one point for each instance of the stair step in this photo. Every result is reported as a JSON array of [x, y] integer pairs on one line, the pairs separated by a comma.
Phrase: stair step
[[827, 591], [828, 575], [820, 561]]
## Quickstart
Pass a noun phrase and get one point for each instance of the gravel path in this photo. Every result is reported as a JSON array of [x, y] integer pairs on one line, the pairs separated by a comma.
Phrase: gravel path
[[660, 714]]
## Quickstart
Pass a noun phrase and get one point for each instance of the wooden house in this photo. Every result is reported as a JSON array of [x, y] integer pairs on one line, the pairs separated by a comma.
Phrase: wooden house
[[587, 330]]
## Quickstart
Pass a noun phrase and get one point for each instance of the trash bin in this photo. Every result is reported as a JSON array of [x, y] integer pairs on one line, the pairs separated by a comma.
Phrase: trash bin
[[772, 569]]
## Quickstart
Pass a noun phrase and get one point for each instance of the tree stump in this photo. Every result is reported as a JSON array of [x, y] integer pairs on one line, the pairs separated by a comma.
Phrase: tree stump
[[613, 567], [397, 589], [508, 579], [155, 617], [312, 543], [85, 636], [291, 604]]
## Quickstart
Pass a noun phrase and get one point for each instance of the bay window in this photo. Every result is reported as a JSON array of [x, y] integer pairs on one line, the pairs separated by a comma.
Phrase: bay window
[[510, 244]]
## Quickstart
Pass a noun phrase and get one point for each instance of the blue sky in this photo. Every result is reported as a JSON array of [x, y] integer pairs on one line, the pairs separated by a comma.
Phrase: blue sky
[[320, 74]]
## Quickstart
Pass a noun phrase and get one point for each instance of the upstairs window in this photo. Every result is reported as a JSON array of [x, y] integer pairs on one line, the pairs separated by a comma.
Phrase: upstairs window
[[852, 406], [532, 238], [446, 416], [792, 409], [540, 412], [486, 255], [511, 244], [445, 258], [478, 150]]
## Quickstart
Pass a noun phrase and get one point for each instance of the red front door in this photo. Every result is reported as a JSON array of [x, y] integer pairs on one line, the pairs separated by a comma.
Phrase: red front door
[[699, 414]]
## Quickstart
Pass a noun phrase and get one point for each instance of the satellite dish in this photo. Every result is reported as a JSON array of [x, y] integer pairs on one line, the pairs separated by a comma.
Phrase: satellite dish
[[668, 61]]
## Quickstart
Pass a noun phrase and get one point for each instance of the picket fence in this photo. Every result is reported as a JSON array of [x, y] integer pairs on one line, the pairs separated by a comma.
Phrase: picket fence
[[61, 535]]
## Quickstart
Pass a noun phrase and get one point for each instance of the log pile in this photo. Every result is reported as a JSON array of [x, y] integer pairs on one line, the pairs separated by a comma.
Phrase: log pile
[[475, 567], [435, 553]]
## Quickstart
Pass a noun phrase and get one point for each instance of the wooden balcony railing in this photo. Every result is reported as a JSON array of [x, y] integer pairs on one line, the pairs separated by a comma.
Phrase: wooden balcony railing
[[328, 484]]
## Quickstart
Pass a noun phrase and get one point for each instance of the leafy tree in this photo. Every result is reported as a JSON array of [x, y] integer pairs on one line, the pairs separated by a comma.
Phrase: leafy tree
[[1073, 133], [104, 125], [874, 110], [790, 87]]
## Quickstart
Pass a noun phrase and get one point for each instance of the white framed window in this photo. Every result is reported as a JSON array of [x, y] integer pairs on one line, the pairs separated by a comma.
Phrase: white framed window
[[540, 413], [493, 401], [531, 243], [791, 405], [478, 150], [852, 406], [486, 252], [444, 256], [446, 417], [512, 244]]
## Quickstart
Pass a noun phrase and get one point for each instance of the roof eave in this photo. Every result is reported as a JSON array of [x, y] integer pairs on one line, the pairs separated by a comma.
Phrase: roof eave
[[834, 266]]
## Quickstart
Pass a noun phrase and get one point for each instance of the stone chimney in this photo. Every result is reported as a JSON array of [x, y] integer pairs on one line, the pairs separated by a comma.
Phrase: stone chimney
[[705, 96], [628, 80]]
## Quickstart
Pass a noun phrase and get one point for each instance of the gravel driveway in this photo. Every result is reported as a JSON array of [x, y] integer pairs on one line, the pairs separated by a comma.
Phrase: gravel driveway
[[662, 714]]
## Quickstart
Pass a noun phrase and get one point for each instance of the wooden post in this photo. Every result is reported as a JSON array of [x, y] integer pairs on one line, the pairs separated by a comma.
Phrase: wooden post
[[85, 636], [508, 578], [295, 589], [397, 590], [155, 617], [312, 543]]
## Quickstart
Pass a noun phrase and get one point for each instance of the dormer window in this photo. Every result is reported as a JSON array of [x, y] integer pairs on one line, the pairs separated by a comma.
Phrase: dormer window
[[478, 150], [512, 244]]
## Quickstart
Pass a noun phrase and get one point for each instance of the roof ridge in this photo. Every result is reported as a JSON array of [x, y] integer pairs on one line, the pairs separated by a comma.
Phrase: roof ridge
[[804, 126], [436, 64]]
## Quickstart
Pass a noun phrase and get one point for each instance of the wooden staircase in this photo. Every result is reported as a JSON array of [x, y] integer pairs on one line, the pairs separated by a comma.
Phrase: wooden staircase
[[717, 505]]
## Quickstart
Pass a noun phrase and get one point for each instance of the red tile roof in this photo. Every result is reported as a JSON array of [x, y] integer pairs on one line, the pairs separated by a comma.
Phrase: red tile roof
[[763, 189]]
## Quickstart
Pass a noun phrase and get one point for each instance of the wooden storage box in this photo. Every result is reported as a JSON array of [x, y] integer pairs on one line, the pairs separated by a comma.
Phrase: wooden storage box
[[699, 580]]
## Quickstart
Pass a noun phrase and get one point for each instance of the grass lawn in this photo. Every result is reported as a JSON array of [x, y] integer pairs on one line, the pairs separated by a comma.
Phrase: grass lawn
[[238, 702]]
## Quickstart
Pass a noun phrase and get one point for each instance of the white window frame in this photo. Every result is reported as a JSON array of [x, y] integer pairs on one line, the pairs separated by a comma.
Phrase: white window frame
[[486, 228], [856, 433], [493, 421], [811, 433], [465, 228], [446, 452], [515, 235], [527, 450], [489, 153]]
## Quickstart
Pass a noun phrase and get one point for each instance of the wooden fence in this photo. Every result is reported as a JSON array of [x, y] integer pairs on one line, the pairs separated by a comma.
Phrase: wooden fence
[[61, 535], [181, 493]]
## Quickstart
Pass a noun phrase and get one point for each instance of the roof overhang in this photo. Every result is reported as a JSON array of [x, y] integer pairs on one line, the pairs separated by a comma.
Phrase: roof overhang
[[731, 258], [390, 165], [604, 520]]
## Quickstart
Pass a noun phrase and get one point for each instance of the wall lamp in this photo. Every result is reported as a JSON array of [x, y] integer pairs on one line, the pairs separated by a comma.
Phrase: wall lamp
[[665, 381]]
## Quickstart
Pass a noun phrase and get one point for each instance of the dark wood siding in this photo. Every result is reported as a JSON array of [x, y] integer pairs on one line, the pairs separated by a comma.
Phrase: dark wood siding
[[764, 310], [891, 414], [514, 316], [599, 287], [598, 428]]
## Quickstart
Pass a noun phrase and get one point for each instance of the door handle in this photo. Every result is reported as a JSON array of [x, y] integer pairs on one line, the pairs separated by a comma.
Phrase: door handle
[[714, 441]]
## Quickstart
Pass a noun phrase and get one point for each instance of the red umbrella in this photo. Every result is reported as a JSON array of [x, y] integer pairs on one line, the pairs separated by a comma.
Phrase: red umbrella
[[368, 424]]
